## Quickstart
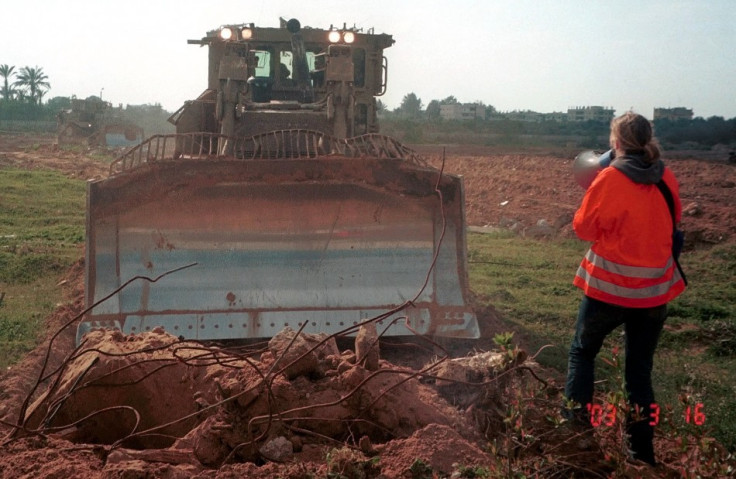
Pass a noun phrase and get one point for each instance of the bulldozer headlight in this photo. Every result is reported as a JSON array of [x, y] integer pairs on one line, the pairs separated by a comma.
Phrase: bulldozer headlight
[[226, 33], [337, 36], [246, 33]]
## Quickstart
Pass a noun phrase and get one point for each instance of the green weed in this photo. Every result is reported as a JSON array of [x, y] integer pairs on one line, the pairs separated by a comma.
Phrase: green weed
[[475, 472], [346, 463], [421, 470]]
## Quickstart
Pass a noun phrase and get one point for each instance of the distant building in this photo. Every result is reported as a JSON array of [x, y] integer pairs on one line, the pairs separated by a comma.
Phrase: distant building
[[463, 111], [590, 113], [528, 115], [678, 113], [559, 116]]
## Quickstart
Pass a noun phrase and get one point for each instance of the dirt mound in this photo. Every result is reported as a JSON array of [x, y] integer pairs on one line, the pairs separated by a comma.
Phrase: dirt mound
[[439, 447], [203, 408], [47, 457], [116, 384]]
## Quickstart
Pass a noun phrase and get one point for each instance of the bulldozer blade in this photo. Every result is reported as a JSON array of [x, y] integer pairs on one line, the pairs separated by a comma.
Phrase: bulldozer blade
[[122, 135], [278, 243]]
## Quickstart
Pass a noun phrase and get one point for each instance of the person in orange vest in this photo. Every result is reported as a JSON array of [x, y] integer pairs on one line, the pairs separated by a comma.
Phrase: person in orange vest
[[628, 275]]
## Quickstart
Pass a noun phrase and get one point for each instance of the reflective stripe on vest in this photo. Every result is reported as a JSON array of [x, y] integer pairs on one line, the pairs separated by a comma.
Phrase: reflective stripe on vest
[[630, 271], [621, 291]]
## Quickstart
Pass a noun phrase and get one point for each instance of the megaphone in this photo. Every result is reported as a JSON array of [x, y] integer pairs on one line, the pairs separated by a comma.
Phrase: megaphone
[[588, 164]]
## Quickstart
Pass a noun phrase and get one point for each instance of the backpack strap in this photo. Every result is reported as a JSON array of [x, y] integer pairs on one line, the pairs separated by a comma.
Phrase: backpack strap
[[670, 201], [664, 189]]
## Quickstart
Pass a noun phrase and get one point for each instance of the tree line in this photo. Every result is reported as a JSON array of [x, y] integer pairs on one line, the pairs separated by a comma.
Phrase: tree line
[[30, 84], [23, 91], [21, 97], [413, 117], [412, 107]]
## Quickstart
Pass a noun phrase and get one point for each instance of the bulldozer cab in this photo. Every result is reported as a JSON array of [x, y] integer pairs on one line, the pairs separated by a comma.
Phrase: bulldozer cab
[[324, 79], [278, 204]]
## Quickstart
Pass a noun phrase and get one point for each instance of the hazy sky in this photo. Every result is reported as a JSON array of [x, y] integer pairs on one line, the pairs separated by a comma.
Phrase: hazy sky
[[513, 54]]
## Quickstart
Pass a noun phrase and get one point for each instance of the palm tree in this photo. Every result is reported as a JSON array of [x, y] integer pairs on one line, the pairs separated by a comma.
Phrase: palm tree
[[6, 72], [35, 80], [381, 107], [411, 106]]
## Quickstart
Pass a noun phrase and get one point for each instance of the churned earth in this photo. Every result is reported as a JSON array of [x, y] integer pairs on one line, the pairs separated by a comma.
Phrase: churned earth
[[154, 406]]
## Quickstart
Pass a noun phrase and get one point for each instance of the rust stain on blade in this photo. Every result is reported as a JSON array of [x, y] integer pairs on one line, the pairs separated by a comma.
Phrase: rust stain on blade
[[230, 298]]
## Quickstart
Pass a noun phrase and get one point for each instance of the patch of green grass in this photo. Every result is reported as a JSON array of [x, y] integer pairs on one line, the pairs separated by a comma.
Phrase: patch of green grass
[[712, 291], [22, 314], [40, 205], [688, 374], [709, 303], [25, 268], [41, 230], [529, 282]]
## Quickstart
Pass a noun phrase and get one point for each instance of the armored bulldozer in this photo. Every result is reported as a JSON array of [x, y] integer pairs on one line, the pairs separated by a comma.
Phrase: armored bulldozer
[[277, 204], [95, 122]]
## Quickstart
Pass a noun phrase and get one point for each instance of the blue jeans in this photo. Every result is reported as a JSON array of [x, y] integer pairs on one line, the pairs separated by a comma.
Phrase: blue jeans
[[642, 327], [596, 320]]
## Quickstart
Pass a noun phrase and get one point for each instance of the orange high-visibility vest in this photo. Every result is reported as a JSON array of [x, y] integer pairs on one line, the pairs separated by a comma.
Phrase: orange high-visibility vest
[[630, 262]]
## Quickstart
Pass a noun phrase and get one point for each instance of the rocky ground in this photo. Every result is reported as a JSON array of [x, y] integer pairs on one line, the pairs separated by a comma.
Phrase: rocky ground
[[154, 406]]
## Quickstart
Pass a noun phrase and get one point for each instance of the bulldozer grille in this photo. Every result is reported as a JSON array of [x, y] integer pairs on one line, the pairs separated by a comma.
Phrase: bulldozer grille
[[281, 144]]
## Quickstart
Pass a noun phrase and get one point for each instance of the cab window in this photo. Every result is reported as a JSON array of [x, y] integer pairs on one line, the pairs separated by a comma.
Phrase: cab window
[[262, 63], [286, 67], [316, 62]]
